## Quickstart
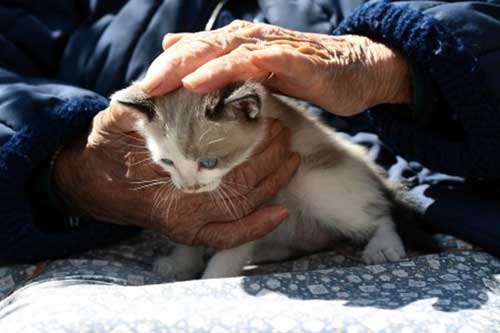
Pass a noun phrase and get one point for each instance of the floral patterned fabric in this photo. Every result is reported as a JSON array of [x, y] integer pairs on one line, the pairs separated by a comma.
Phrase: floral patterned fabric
[[114, 290]]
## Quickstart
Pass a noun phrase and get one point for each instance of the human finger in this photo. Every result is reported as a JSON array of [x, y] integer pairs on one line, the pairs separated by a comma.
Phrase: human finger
[[182, 58], [250, 173], [217, 73], [172, 38], [273, 183]]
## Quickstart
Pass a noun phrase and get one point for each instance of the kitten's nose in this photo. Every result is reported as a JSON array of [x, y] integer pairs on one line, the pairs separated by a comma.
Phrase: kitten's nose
[[191, 189]]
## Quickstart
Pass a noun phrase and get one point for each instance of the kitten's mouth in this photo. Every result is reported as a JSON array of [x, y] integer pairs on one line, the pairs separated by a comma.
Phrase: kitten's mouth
[[201, 188], [191, 191]]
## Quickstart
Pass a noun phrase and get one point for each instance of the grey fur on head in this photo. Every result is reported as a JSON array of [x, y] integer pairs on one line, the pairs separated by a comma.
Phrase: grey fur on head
[[236, 101], [223, 125]]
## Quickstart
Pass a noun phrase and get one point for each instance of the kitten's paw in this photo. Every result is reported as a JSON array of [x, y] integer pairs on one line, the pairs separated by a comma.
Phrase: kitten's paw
[[186, 274], [165, 267], [385, 245], [209, 275], [217, 269], [377, 253], [169, 268]]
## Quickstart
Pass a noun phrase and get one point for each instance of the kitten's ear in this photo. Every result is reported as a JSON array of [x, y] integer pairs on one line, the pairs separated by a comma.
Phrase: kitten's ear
[[245, 101], [135, 99]]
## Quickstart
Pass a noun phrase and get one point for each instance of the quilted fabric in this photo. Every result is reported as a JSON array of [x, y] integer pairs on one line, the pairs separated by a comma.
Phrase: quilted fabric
[[114, 290]]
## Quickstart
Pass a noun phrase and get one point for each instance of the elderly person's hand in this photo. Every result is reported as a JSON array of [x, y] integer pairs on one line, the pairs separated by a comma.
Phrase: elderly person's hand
[[343, 74], [108, 177]]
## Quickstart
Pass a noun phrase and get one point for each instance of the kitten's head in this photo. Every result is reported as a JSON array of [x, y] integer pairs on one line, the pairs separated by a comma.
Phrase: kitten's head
[[198, 138]]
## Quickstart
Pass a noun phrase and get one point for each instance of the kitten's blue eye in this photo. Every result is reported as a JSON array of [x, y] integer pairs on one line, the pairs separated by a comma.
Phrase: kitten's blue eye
[[208, 163], [167, 161]]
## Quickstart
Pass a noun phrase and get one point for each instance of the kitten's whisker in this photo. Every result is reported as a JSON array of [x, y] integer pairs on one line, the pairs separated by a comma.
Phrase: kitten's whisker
[[133, 150], [133, 137], [142, 161], [204, 133], [163, 197], [137, 146], [127, 145], [213, 199], [148, 185], [230, 203], [169, 195], [223, 201], [155, 201], [170, 200], [152, 206], [138, 152], [210, 196], [176, 199], [216, 140], [149, 180], [233, 190], [238, 194], [237, 184]]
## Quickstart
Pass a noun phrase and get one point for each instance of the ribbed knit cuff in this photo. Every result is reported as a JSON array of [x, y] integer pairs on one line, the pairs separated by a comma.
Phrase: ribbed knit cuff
[[21, 157], [451, 66]]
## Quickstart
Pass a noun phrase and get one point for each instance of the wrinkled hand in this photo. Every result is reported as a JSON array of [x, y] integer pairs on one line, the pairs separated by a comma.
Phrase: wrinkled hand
[[343, 74], [109, 177]]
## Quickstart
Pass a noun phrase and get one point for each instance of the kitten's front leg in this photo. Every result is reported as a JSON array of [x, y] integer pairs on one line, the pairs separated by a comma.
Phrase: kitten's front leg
[[184, 263], [229, 263], [385, 245]]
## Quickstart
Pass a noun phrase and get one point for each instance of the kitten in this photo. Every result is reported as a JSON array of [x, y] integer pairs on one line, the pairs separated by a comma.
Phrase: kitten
[[335, 192]]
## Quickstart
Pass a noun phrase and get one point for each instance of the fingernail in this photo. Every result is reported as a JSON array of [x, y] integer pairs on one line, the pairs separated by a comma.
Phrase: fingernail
[[276, 128], [160, 69], [189, 85], [282, 212], [150, 83], [149, 87], [288, 134], [198, 81], [293, 161], [193, 79]]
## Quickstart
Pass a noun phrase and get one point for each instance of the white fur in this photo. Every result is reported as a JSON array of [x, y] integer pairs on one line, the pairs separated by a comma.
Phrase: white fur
[[229, 263], [385, 245]]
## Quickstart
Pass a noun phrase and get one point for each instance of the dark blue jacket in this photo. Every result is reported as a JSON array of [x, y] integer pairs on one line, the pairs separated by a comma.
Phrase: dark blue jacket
[[60, 59]]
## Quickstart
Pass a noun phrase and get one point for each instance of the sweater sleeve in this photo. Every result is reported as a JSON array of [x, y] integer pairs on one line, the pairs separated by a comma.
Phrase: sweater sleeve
[[455, 46], [37, 117], [38, 114]]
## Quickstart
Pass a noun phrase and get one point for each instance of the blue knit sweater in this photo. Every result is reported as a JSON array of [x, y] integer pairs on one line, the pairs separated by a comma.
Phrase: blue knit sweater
[[468, 138], [60, 59]]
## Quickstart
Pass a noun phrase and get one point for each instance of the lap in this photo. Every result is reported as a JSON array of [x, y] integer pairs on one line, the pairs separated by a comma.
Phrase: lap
[[115, 288]]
